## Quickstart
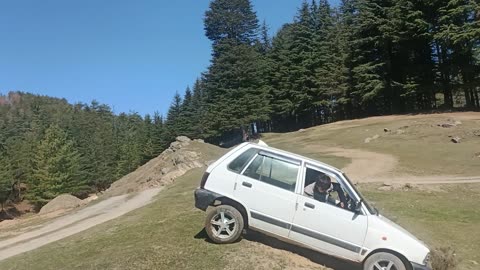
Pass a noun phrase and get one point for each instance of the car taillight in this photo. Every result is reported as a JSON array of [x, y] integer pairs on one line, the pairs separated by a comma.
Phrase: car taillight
[[204, 179]]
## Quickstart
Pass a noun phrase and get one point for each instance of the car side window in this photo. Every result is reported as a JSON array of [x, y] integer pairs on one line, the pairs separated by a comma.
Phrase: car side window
[[334, 194], [239, 163], [276, 172]]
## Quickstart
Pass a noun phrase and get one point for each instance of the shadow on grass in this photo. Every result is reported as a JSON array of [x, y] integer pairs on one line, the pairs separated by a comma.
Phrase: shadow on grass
[[203, 235], [311, 255]]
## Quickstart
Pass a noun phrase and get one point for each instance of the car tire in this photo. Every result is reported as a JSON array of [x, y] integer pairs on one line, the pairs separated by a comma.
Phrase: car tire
[[224, 224], [384, 261]]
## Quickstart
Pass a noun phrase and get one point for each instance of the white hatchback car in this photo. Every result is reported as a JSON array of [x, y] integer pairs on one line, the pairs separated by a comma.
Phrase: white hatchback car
[[269, 190]]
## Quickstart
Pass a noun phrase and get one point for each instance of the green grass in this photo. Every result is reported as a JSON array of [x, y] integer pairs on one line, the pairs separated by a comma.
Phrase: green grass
[[161, 235], [442, 219]]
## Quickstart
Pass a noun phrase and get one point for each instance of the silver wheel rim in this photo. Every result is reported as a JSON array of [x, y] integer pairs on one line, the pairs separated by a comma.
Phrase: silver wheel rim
[[223, 225], [384, 265]]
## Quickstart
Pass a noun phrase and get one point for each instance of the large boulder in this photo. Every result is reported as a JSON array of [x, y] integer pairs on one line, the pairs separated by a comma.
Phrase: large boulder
[[61, 203]]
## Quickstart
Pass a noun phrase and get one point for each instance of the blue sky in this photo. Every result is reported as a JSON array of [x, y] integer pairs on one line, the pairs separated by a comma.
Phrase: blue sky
[[131, 55]]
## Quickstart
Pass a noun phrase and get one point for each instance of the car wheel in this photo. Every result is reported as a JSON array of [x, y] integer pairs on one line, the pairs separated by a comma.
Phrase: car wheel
[[384, 261], [224, 224]]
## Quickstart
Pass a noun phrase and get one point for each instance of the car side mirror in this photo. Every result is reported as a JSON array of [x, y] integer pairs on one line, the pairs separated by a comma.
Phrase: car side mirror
[[358, 206]]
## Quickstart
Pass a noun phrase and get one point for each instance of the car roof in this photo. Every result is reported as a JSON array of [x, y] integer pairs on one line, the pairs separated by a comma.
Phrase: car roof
[[290, 154]]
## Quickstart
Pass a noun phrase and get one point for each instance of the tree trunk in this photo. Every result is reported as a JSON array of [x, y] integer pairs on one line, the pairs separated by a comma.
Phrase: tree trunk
[[468, 98], [476, 97], [445, 77]]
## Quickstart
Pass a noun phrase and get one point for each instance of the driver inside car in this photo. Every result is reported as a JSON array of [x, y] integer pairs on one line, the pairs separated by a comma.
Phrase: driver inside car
[[322, 188]]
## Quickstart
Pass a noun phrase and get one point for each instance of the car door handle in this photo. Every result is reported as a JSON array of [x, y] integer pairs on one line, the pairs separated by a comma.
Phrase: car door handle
[[246, 184], [309, 205]]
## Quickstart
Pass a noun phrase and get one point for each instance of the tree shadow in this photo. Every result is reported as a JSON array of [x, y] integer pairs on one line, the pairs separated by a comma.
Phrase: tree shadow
[[9, 213], [316, 257]]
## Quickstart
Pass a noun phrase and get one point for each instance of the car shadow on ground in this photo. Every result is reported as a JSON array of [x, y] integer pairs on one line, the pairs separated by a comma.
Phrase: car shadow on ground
[[316, 257]]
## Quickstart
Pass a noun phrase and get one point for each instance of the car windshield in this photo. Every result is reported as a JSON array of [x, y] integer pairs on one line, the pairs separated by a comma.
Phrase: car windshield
[[371, 209]]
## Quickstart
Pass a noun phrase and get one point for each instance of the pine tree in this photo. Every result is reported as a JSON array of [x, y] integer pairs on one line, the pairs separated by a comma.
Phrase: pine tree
[[187, 112], [199, 109], [329, 63], [294, 85], [6, 180], [282, 91], [232, 20], [130, 144], [158, 134], [173, 117], [457, 37], [56, 167], [265, 40], [236, 94]]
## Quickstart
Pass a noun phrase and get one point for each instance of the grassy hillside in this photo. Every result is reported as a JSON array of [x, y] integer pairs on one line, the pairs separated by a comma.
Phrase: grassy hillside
[[420, 145], [167, 234]]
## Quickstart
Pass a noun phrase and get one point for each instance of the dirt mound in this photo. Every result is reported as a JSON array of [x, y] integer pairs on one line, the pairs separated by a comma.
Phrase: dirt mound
[[182, 156], [61, 203]]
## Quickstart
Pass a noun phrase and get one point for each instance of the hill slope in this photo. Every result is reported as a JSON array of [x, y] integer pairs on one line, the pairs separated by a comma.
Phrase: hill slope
[[415, 145], [167, 234]]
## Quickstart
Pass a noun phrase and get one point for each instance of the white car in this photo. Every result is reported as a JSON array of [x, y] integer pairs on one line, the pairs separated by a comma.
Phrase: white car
[[269, 190]]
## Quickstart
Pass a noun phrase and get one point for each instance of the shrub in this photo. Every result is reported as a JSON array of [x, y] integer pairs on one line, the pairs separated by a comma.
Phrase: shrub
[[444, 258]]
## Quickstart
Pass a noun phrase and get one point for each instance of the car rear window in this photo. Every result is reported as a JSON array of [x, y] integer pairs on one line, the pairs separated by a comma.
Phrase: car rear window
[[239, 163], [279, 173]]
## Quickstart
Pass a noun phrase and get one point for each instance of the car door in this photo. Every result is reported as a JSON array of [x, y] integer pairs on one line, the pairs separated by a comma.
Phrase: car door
[[267, 187], [327, 227]]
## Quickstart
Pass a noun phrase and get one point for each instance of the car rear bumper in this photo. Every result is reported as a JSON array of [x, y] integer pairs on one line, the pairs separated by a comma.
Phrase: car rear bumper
[[204, 198], [416, 266]]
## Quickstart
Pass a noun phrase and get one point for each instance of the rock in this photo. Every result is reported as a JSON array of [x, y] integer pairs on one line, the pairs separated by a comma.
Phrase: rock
[[387, 184], [302, 130], [183, 139], [476, 133], [408, 186], [456, 139], [62, 202], [474, 262], [456, 123], [400, 131], [175, 146], [199, 140], [386, 130], [385, 188], [376, 137], [446, 125], [90, 199], [165, 170], [368, 140]]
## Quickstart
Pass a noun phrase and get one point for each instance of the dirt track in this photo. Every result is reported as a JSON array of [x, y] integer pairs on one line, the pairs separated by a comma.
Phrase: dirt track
[[370, 167], [74, 223]]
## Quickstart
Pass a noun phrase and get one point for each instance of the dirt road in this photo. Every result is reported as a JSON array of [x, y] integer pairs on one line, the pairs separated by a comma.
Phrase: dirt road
[[369, 167], [74, 223]]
